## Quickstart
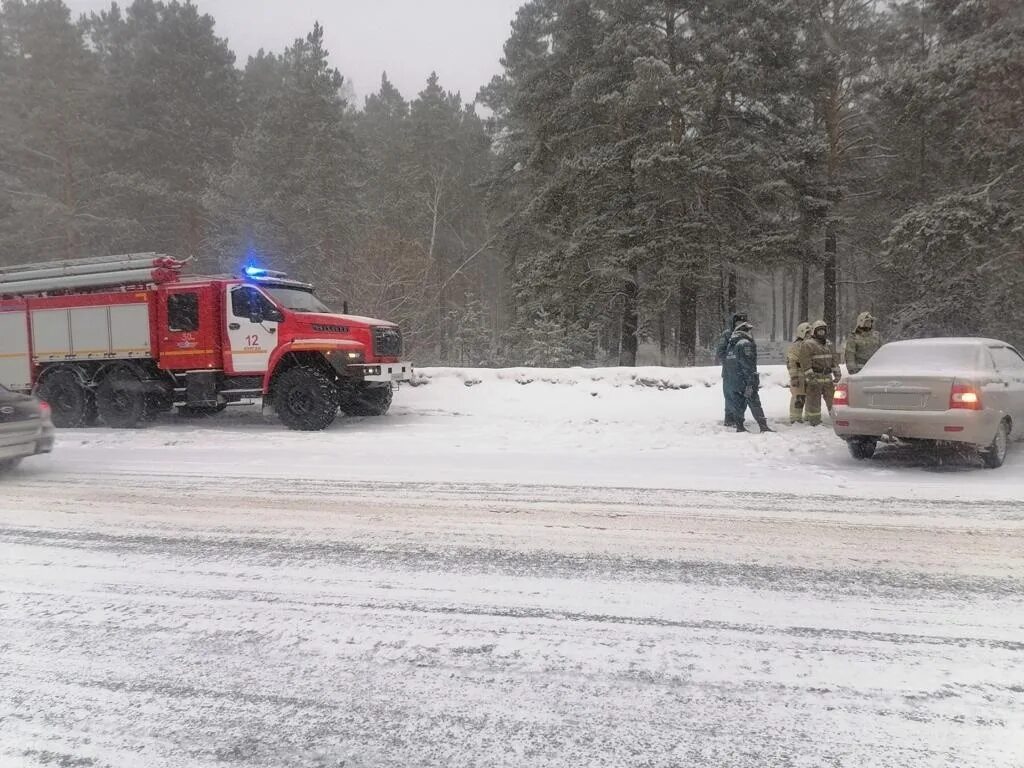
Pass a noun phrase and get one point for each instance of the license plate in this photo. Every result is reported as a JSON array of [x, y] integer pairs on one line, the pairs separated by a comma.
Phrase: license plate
[[898, 402]]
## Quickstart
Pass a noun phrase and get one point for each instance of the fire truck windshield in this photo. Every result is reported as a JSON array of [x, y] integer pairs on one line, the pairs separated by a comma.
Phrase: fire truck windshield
[[296, 299]]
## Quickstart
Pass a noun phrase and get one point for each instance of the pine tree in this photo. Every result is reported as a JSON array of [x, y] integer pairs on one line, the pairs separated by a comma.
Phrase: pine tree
[[170, 103], [290, 197], [954, 262], [49, 133]]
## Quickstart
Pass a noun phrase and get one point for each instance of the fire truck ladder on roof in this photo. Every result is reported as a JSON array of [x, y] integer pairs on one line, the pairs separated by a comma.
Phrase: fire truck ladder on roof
[[87, 274]]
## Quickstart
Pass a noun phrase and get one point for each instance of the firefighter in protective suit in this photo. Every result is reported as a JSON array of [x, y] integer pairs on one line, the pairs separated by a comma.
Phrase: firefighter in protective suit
[[741, 381], [797, 385], [819, 364], [862, 343]]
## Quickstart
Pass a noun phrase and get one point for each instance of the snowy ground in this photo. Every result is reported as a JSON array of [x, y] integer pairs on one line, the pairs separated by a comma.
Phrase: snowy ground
[[516, 568]]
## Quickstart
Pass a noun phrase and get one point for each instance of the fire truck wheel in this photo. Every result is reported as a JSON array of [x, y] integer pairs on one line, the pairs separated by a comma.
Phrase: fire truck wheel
[[363, 400], [71, 404], [306, 398], [122, 402], [157, 403]]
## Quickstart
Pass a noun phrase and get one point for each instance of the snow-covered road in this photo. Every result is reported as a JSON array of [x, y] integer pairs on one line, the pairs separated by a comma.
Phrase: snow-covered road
[[582, 582]]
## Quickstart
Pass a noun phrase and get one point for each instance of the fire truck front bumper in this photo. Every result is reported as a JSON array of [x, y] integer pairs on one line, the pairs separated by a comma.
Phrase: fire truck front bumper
[[382, 372]]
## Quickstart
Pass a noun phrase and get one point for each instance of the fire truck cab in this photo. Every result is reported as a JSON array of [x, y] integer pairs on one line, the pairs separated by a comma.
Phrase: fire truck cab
[[102, 345]]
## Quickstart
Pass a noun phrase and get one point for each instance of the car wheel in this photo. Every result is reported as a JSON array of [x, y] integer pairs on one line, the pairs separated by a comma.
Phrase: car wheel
[[995, 454], [71, 404], [7, 465], [862, 448]]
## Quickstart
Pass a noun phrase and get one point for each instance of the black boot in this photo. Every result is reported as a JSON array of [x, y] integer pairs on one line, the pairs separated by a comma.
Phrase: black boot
[[741, 428], [763, 426]]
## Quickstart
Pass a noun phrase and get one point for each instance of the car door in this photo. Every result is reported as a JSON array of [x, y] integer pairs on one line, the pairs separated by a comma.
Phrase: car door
[[19, 424], [252, 322], [1010, 365]]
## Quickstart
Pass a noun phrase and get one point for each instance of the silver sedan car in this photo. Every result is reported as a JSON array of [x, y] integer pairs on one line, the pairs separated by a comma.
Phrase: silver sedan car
[[967, 391], [25, 428]]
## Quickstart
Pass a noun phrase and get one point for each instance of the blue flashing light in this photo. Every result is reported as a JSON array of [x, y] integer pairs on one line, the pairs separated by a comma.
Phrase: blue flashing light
[[255, 271]]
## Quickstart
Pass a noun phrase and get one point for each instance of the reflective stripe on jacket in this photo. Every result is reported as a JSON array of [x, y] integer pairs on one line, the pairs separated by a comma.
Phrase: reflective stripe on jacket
[[819, 358], [797, 385]]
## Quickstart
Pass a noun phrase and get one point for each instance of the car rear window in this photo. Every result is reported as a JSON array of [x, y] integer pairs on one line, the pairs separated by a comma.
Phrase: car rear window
[[1007, 359], [927, 357]]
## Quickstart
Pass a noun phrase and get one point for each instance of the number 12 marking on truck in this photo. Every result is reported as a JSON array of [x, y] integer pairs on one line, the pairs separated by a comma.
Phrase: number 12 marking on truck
[[252, 341]]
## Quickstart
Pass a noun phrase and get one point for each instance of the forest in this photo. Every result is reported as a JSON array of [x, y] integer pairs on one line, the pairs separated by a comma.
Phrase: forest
[[637, 171]]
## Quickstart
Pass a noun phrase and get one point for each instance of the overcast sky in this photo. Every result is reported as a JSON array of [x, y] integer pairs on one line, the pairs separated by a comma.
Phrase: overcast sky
[[461, 39]]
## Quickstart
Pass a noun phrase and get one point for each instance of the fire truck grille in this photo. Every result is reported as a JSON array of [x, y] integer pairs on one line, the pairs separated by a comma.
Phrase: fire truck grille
[[387, 342]]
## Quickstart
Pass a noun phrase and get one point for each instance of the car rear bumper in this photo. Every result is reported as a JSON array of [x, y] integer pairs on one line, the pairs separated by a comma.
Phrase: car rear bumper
[[17, 451], [46, 438], [18, 438], [975, 427]]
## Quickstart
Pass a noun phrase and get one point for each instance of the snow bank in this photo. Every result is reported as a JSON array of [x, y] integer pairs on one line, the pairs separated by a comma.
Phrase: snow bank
[[620, 428], [608, 427], [655, 377]]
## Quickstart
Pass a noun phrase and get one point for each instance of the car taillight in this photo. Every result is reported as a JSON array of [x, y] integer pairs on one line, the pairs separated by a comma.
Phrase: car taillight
[[842, 394], [44, 407], [965, 397]]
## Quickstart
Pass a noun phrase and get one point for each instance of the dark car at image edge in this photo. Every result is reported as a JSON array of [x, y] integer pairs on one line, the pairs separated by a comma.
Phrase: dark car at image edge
[[25, 428]]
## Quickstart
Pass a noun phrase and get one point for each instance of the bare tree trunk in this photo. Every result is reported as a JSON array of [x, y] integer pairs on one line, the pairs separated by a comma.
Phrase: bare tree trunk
[[775, 306], [794, 317], [662, 337], [630, 319], [687, 321], [830, 281], [787, 320], [833, 110], [722, 308], [805, 291], [439, 267], [730, 291]]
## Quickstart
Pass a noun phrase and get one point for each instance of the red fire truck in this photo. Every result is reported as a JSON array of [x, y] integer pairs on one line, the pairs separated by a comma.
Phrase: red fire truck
[[124, 338]]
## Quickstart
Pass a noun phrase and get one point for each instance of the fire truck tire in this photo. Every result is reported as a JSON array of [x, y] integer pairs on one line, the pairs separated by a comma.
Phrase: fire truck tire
[[306, 398], [363, 400], [122, 402], [71, 404]]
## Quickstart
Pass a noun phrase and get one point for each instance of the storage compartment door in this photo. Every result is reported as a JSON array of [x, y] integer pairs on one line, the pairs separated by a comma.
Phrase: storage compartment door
[[51, 335], [15, 366], [129, 331], [90, 333]]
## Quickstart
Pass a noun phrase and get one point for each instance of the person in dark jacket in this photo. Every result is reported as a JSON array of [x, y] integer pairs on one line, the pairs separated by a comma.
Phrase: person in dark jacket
[[741, 379], [720, 351]]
